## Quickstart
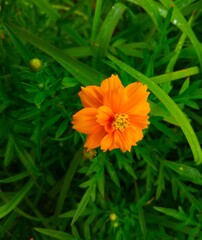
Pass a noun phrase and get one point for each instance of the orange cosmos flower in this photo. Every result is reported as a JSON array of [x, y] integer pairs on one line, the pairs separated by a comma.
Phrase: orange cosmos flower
[[113, 116]]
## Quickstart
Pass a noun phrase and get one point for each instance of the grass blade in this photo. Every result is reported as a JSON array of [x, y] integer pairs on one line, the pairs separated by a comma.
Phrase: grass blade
[[55, 234], [150, 8], [171, 76], [10, 205], [105, 34]]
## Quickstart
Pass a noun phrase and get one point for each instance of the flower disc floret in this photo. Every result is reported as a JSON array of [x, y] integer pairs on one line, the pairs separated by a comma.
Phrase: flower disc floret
[[121, 121]]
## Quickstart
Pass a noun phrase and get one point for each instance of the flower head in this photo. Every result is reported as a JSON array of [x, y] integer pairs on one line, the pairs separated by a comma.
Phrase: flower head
[[113, 115]]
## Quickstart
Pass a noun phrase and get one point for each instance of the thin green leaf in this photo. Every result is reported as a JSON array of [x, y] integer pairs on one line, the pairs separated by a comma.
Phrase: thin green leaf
[[39, 98], [11, 204], [184, 86], [26, 160], [112, 174], [15, 178], [9, 152], [45, 6], [83, 203], [55, 234], [160, 181], [96, 19], [169, 104], [150, 8], [167, 77], [172, 213], [67, 181], [62, 128], [186, 171], [105, 33], [101, 182]]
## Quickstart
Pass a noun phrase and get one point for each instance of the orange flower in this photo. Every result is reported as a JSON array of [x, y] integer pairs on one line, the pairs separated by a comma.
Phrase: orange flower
[[113, 116]]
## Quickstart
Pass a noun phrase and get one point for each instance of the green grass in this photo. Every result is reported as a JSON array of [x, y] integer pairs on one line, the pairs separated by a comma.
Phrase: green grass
[[48, 190]]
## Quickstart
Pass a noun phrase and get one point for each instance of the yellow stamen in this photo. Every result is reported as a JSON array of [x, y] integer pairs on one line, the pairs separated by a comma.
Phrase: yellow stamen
[[121, 121]]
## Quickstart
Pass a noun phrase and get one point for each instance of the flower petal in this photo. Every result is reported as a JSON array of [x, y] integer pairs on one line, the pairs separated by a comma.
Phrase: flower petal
[[111, 83], [137, 98], [91, 96], [105, 117], [107, 142], [116, 100], [94, 140], [122, 141], [85, 121], [139, 121]]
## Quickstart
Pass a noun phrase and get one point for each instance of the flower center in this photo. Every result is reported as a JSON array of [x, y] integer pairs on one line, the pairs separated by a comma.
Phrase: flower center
[[121, 121]]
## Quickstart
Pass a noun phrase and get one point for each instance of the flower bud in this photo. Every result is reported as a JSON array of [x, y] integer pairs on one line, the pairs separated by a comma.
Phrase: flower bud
[[113, 217], [89, 154], [35, 64], [40, 85]]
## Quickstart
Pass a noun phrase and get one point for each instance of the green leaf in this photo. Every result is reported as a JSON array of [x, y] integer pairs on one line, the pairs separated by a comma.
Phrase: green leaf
[[9, 152], [26, 160], [15, 178], [184, 86], [39, 98], [101, 182], [112, 174], [67, 181], [83, 203], [150, 8], [69, 82], [173, 213], [96, 19], [186, 171], [104, 36], [169, 104], [130, 170], [11, 204], [167, 77], [18, 44], [46, 7], [62, 128], [55, 234], [160, 181]]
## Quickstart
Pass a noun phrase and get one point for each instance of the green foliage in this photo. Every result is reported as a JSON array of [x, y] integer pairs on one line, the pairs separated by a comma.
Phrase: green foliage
[[49, 187]]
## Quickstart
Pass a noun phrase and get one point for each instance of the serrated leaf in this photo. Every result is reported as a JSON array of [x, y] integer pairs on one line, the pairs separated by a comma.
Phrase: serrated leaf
[[130, 170], [112, 174], [186, 171], [160, 182], [172, 213]]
